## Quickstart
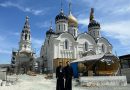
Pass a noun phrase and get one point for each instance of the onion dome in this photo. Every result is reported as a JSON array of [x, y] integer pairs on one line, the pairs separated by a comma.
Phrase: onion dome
[[72, 20], [50, 31], [61, 16], [92, 22]]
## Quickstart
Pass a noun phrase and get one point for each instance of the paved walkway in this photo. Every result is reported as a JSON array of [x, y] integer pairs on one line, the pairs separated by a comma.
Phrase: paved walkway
[[40, 83]]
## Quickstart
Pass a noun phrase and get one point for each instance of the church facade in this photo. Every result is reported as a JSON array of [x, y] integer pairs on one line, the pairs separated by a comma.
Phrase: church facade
[[65, 43]]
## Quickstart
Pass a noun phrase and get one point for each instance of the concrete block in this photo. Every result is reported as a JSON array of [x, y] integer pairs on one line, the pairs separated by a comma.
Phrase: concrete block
[[103, 81]]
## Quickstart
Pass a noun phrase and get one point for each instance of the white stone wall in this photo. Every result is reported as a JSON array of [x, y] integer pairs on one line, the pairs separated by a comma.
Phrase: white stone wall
[[126, 72], [104, 81], [2, 75]]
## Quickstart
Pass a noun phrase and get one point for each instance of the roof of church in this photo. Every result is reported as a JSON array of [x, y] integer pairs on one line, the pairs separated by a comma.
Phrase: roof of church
[[61, 15], [93, 23], [72, 19], [104, 39], [50, 32], [26, 25]]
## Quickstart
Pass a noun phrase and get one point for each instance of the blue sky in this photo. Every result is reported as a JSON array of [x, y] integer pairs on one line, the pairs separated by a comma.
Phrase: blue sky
[[113, 15]]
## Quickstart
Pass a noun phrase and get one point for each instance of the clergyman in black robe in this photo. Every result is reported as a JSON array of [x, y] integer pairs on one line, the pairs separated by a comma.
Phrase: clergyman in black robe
[[68, 76], [60, 77]]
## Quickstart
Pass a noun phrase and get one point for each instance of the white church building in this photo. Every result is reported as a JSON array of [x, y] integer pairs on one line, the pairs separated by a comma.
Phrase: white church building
[[65, 43], [62, 44]]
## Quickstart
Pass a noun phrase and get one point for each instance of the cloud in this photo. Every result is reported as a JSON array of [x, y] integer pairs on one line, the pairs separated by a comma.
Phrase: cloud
[[113, 25], [23, 8], [118, 30], [109, 7], [3, 46], [1, 38], [14, 33], [3, 51], [37, 43], [45, 24], [7, 43], [83, 20], [120, 10], [121, 50]]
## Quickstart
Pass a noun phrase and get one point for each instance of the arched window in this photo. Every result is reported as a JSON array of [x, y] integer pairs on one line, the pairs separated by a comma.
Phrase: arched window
[[64, 27], [86, 46], [25, 46], [103, 48], [59, 27], [66, 44], [29, 37], [25, 36]]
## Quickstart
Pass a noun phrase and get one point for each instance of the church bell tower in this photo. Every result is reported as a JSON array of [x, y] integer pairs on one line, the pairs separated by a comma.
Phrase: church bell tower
[[94, 26], [25, 40]]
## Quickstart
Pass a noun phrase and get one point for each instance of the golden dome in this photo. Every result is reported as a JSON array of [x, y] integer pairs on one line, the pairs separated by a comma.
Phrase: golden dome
[[72, 20]]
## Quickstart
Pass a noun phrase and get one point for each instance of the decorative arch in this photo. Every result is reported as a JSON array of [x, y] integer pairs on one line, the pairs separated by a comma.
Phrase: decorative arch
[[105, 45], [66, 35], [86, 36], [104, 40]]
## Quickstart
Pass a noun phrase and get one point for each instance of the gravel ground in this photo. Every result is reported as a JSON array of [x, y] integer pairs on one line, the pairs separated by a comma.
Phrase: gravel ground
[[40, 83]]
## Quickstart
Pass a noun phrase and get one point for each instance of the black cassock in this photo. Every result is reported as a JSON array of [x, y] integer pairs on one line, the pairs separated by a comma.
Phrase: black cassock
[[60, 78], [68, 77]]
